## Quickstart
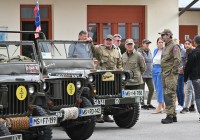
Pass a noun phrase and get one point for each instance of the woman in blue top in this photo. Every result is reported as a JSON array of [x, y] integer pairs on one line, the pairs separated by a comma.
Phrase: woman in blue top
[[157, 76]]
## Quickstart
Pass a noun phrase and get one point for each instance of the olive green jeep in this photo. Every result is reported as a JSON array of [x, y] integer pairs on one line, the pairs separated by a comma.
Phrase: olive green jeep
[[20, 90], [105, 88]]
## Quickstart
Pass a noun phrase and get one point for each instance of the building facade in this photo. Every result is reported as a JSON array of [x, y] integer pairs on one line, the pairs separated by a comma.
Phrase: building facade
[[63, 19]]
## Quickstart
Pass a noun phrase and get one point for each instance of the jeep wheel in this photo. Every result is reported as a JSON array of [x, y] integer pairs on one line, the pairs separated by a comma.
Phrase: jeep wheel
[[128, 119], [40, 132], [83, 130], [4, 130]]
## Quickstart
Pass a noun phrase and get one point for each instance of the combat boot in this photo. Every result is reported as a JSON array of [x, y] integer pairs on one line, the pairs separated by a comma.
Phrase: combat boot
[[174, 119], [167, 120]]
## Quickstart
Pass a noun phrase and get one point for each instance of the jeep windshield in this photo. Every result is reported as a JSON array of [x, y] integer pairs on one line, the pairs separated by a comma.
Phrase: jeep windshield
[[52, 49], [12, 52]]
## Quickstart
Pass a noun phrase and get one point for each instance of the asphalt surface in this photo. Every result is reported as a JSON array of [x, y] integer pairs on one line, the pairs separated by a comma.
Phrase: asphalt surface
[[148, 127]]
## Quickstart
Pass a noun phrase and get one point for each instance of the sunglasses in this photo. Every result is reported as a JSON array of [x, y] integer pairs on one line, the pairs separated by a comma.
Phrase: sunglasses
[[118, 40]]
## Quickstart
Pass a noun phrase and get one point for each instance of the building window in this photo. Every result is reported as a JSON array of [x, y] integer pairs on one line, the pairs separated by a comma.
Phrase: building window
[[136, 32], [122, 30], [106, 29], [92, 30], [28, 12]]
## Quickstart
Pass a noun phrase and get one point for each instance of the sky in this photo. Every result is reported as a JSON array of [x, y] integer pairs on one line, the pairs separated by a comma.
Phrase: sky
[[184, 3]]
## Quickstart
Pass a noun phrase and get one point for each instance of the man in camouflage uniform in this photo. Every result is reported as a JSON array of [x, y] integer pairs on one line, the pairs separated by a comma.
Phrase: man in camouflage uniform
[[169, 62], [108, 58]]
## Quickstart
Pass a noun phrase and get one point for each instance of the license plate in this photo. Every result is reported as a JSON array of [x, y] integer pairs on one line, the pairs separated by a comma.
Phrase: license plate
[[46, 120], [12, 137], [132, 93], [89, 111]]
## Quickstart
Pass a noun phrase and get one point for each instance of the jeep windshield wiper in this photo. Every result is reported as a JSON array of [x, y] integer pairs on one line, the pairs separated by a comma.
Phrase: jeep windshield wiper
[[15, 49], [56, 48]]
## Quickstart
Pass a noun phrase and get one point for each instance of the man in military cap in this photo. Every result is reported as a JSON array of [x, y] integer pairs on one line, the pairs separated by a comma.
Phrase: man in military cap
[[169, 62], [108, 58], [134, 62]]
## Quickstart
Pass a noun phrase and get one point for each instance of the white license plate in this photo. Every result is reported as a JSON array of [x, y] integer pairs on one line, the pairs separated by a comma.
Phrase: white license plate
[[89, 111], [132, 93], [12, 137], [46, 120]]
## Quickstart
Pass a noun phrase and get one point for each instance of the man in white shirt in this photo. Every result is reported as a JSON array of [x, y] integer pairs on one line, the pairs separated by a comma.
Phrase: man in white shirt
[[117, 38]]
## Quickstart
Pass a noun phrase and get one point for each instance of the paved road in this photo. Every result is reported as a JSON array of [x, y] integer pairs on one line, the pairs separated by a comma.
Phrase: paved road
[[147, 128]]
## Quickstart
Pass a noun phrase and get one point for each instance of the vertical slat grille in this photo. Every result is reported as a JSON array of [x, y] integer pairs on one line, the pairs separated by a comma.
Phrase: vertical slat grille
[[108, 88], [14, 105], [64, 98]]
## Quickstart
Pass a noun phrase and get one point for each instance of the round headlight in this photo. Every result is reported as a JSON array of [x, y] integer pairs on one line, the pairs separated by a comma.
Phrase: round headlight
[[31, 89], [90, 78], [44, 86], [78, 84], [123, 77]]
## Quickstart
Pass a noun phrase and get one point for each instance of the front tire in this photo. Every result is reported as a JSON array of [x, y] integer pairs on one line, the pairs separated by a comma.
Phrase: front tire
[[81, 131], [4, 130], [40, 132], [128, 119]]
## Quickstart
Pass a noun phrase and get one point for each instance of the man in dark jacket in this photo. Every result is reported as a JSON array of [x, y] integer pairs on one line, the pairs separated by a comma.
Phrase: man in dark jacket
[[192, 70]]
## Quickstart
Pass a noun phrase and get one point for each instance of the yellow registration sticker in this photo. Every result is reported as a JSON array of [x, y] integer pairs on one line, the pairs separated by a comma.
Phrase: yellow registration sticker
[[71, 89], [21, 93], [108, 76]]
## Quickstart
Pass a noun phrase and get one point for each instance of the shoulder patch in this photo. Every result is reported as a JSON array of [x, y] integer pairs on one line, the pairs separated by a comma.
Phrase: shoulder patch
[[175, 48]]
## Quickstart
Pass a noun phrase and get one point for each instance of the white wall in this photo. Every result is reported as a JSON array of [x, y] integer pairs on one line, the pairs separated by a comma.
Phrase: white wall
[[190, 18], [70, 16]]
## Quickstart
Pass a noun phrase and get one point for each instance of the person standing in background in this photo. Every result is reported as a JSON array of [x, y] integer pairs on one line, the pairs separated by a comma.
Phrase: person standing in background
[[157, 76], [117, 39], [189, 94], [180, 83], [147, 76], [134, 62], [192, 70]]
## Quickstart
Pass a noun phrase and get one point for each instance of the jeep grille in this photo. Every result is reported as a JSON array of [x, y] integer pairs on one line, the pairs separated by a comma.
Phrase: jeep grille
[[14, 106], [58, 92], [108, 88]]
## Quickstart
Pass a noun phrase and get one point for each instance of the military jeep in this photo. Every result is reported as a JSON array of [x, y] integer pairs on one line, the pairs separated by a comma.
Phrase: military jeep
[[105, 88], [20, 90], [66, 92]]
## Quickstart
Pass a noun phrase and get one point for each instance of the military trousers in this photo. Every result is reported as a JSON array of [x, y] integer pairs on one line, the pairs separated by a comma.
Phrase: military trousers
[[169, 85]]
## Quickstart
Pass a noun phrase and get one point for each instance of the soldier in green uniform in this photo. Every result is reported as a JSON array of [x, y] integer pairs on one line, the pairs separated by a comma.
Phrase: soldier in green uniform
[[135, 63], [169, 62], [108, 58]]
